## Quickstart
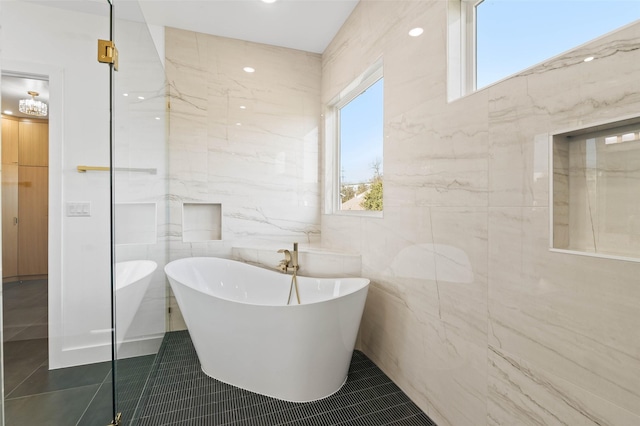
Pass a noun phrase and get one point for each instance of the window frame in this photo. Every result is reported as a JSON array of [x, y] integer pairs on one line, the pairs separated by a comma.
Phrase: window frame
[[461, 48], [372, 75]]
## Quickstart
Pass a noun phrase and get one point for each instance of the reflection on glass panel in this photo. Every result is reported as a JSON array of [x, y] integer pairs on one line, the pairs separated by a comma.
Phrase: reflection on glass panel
[[139, 212]]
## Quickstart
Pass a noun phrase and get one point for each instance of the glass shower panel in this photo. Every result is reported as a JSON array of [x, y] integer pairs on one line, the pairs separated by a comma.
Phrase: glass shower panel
[[57, 332], [139, 181]]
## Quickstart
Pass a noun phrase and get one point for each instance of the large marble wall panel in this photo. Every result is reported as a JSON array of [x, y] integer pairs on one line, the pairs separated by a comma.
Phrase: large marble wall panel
[[571, 316], [521, 393], [259, 162], [469, 312]]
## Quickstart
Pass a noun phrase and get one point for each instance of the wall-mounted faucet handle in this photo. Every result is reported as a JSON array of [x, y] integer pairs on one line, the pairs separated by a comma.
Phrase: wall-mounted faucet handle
[[286, 262], [287, 254]]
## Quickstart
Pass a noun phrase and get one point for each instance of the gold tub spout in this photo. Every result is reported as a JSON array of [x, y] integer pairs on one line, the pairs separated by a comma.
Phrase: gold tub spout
[[290, 263]]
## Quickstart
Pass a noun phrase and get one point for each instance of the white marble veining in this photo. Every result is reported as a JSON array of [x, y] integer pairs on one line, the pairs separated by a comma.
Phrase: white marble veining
[[260, 161], [468, 311], [245, 141]]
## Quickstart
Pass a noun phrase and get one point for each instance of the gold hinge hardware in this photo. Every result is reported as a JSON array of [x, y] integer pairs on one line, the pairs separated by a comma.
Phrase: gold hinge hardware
[[108, 53], [116, 421]]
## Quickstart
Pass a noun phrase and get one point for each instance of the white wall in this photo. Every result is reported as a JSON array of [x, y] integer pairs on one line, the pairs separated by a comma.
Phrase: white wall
[[62, 45], [469, 312]]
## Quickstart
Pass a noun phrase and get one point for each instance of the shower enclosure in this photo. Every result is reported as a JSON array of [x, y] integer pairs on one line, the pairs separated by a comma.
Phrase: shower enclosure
[[107, 207]]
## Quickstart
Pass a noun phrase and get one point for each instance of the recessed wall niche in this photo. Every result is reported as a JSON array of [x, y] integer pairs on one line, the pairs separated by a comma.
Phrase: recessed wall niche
[[596, 190], [201, 222]]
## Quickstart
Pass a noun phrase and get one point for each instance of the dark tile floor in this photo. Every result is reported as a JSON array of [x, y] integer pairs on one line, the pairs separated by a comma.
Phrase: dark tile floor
[[179, 393], [35, 395], [176, 391]]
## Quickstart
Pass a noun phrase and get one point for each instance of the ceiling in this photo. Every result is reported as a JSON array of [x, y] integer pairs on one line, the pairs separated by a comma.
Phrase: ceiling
[[307, 25], [15, 88]]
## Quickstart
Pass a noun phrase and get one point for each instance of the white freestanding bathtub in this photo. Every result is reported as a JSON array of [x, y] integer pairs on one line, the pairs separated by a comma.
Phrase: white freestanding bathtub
[[132, 280], [246, 335]]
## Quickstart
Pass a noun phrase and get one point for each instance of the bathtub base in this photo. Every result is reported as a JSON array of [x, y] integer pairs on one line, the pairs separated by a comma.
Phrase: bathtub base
[[278, 396]]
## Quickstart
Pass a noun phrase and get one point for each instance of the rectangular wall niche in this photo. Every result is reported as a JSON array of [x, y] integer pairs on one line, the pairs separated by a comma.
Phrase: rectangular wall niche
[[201, 222], [596, 190], [135, 223]]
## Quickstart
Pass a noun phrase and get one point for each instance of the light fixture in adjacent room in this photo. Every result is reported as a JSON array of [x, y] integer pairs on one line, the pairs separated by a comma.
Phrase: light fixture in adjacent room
[[415, 32], [32, 106]]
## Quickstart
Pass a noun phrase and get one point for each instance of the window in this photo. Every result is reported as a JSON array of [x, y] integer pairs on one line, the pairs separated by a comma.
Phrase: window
[[357, 141], [490, 40]]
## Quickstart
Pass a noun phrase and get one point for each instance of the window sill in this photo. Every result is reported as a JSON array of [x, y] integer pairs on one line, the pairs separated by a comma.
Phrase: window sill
[[359, 213]]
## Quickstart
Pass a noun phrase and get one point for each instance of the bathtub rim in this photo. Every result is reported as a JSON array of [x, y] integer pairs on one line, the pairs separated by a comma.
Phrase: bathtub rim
[[364, 286]]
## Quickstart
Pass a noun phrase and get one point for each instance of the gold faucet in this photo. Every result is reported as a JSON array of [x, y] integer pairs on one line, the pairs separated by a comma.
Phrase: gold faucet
[[290, 263]]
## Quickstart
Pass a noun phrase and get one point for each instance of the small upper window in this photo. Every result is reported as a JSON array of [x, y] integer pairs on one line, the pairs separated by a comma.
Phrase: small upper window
[[492, 39], [512, 35]]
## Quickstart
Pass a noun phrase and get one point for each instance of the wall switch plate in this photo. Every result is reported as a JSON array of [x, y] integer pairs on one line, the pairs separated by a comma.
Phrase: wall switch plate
[[79, 209]]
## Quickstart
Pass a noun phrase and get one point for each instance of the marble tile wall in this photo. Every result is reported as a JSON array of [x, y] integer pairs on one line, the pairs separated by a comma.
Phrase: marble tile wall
[[469, 312], [260, 162]]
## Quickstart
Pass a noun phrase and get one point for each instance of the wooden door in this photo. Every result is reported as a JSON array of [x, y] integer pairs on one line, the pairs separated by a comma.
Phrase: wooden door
[[33, 147], [9, 140], [9, 220], [33, 200], [9, 197]]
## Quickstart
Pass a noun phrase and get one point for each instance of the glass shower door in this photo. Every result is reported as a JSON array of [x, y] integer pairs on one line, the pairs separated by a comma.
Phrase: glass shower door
[[139, 213], [57, 352]]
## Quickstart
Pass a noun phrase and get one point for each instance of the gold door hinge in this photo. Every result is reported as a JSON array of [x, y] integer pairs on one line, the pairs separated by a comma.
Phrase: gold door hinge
[[108, 53], [116, 421]]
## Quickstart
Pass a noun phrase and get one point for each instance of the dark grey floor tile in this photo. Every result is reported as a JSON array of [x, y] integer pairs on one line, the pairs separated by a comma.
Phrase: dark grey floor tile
[[44, 380], [32, 332], [181, 394], [61, 408], [21, 359], [100, 410]]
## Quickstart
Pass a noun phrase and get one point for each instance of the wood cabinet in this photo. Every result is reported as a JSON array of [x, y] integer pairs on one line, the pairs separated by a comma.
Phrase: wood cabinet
[[9, 220], [25, 198], [33, 223], [33, 144], [10, 127]]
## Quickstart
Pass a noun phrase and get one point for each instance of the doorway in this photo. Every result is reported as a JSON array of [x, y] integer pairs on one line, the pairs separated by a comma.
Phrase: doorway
[[25, 158], [30, 387]]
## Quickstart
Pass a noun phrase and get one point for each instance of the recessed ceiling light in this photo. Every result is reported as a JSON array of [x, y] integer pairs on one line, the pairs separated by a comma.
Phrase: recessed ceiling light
[[6, 111], [125, 94], [248, 69], [268, 1], [415, 32], [243, 107], [157, 118], [589, 59], [238, 124], [141, 98]]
